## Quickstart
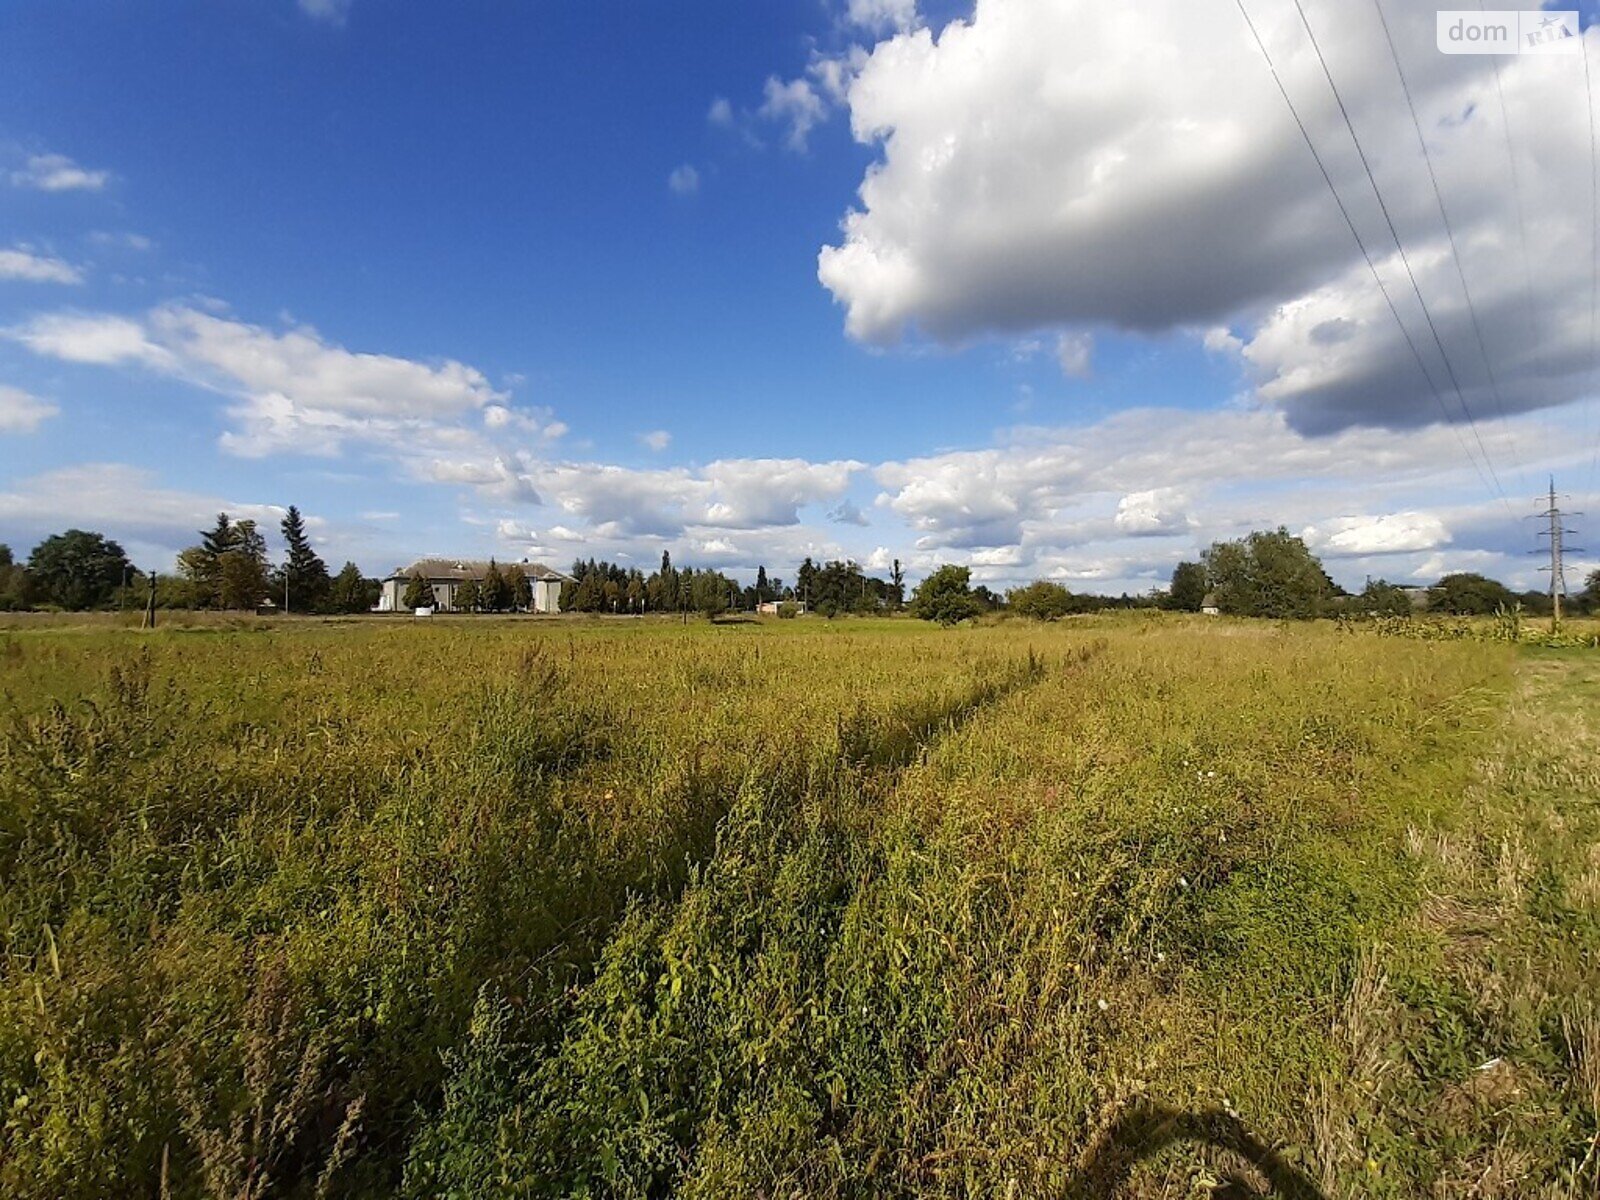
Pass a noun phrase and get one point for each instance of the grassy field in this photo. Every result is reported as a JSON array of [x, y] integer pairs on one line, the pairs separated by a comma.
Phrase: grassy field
[[1142, 906]]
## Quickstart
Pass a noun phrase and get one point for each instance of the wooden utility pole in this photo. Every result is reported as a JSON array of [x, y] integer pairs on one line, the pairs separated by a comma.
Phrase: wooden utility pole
[[1558, 549], [149, 621]]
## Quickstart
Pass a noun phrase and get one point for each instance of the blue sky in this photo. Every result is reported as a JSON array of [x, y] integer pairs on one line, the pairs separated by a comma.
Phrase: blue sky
[[545, 281]]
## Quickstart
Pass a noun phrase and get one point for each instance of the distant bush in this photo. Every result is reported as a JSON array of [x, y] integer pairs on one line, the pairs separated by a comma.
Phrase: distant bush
[[1042, 600], [788, 610]]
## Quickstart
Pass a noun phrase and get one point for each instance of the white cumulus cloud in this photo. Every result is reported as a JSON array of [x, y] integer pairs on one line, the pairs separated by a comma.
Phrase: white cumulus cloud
[[1155, 512], [1389, 533], [291, 390], [25, 265], [1049, 163]]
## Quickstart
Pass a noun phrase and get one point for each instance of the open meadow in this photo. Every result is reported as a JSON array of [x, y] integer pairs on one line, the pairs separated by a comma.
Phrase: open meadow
[[1140, 904]]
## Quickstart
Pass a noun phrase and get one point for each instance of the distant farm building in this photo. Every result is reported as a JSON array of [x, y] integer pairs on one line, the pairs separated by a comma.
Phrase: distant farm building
[[446, 575], [770, 607], [1208, 604]]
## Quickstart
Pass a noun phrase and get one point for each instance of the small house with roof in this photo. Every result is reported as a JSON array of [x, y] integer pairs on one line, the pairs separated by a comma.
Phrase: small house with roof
[[446, 575]]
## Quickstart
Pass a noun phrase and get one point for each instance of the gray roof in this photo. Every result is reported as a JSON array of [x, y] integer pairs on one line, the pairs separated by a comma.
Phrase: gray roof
[[444, 570]]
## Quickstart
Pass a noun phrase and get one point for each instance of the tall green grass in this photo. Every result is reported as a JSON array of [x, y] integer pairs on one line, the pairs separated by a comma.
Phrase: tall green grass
[[642, 909]]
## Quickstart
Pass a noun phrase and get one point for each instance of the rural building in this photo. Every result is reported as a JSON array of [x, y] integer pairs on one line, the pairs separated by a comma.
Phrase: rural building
[[446, 575], [770, 607], [1208, 604]]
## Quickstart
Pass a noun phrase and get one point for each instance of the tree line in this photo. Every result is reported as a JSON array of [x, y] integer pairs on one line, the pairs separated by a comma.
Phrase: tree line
[[1266, 574], [1274, 574], [229, 568], [1269, 573]]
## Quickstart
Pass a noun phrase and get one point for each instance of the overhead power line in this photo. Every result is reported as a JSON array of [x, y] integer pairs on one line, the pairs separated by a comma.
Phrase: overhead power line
[[1405, 259], [1361, 244], [1444, 216]]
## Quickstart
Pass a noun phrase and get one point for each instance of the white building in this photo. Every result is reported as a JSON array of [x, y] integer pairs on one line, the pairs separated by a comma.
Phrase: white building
[[446, 575]]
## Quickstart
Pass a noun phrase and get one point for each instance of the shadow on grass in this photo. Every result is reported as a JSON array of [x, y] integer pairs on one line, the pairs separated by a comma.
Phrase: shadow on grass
[[1147, 1129]]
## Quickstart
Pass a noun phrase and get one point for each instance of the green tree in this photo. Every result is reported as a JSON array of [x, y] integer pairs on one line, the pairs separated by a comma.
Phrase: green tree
[[242, 579], [1188, 589], [303, 571], [897, 586], [1590, 596], [220, 538], [418, 594], [1268, 575], [467, 597], [494, 592], [201, 566], [945, 596], [708, 594], [763, 588], [1467, 593], [14, 584], [1041, 600], [350, 592], [77, 569], [805, 581], [521, 591], [1382, 599]]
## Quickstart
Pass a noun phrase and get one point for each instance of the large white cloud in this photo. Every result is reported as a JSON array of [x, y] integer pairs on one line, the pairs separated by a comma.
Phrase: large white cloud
[[291, 390], [1386, 533], [1057, 162]]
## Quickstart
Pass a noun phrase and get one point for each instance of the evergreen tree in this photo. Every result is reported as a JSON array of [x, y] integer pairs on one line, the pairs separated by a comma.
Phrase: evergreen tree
[[242, 577], [761, 585], [467, 597], [220, 538], [897, 586], [418, 594], [350, 592], [521, 591], [494, 593], [305, 574], [805, 580], [201, 566]]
